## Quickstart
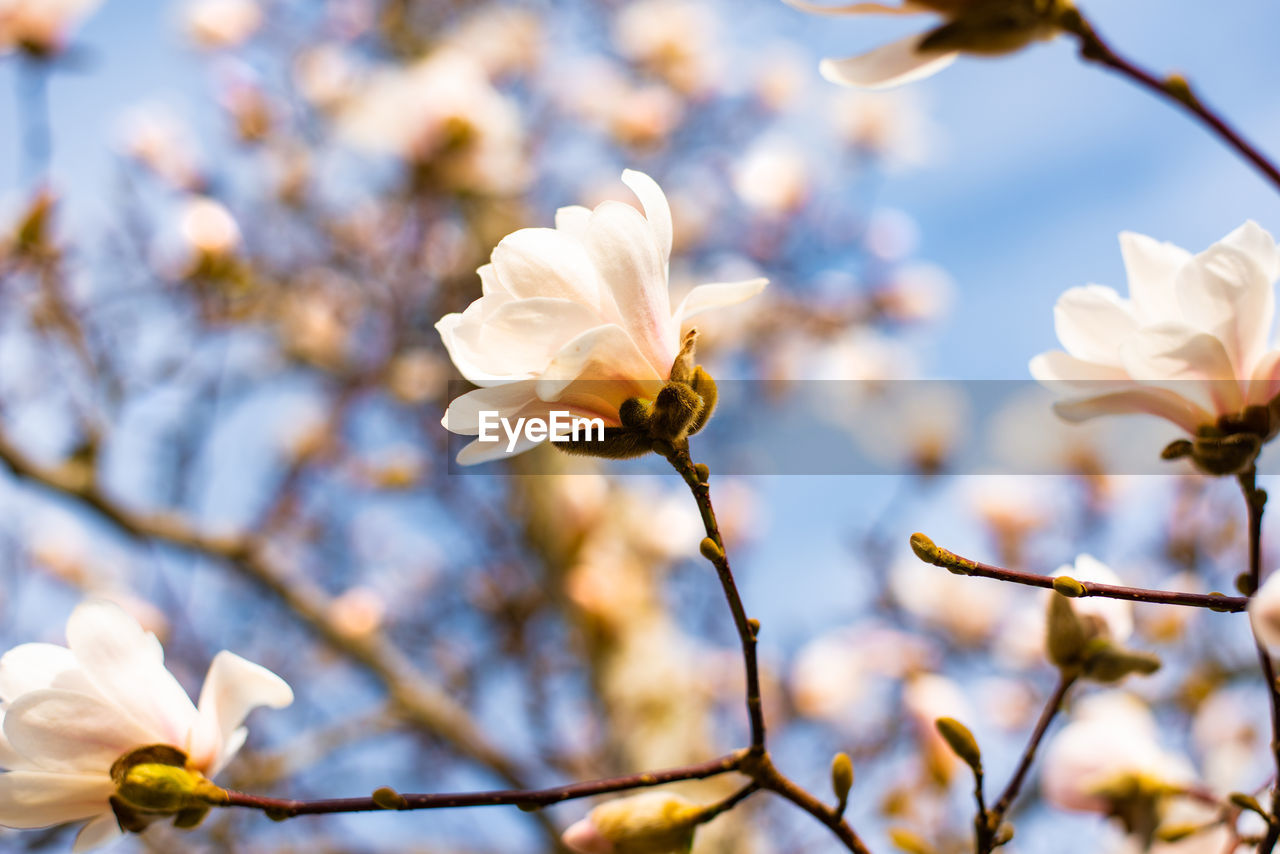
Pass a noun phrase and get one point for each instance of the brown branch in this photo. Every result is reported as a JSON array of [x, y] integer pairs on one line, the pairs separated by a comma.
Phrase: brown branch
[[1051, 708], [928, 552], [280, 808], [1174, 88]]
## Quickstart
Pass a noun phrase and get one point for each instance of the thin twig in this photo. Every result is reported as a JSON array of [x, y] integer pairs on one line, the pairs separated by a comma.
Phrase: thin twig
[[1051, 709], [1094, 49]]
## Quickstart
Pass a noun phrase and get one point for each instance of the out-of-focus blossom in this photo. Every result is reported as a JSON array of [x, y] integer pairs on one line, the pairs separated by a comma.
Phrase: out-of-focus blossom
[[1264, 612], [576, 318], [358, 612], [889, 126], [504, 39], [925, 698], [834, 674], [315, 323], [781, 75], [1191, 343], [1114, 616], [914, 293], [673, 39], [160, 142], [990, 27], [417, 375], [207, 227], [648, 823], [40, 27], [634, 114], [969, 609], [70, 712], [920, 426], [1108, 752], [221, 24], [326, 75], [773, 178], [1231, 732], [441, 112]]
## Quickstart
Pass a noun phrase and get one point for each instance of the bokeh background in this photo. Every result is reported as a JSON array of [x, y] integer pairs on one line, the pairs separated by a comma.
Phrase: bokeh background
[[227, 316]]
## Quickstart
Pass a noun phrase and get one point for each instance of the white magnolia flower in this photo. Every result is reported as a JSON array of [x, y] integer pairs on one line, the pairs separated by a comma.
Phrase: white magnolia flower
[[1264, 612], [68, 713], [218, 24], [577, 318], [1109, 747], [971, 26], [40, 26], [1191, 343]]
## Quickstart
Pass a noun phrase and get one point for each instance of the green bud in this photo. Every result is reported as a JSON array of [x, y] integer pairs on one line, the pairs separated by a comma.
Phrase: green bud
[[1004, 835], [1177, 832], [703, 472], [1068, 586], [166, 789], [711, 550], [1065, 635], [635, 413], [619, 443], [1245, 584], [1177, 449], [674, 410], [682, 369], [925, 549], [1113, 663], [705, 386], [962, 742], [388, 798], [1246, 802], [191, 817], [841, 777], [1221, 455], [649, 823]]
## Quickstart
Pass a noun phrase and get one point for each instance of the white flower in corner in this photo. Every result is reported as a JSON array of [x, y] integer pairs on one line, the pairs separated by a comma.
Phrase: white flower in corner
[[1191, 344], [989, 27], [40, 27], [1264, 613], [69, 713], [577, 318]]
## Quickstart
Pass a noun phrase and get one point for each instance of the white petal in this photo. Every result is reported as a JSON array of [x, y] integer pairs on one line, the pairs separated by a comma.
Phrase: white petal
[[656, 208], [1092, 322], [32, 666], [544, 262], [891, 65], [717, 295], [233, 688], [484, 452], [605, 357], [1264, 384], [1256, 242], [126, 664], [63, 731], [461, 335], [1224, 292], [40, 799], [623, 247], [1056, 368], [524, 336], [99, 833], [1264, 612], [10, 760], [1152, 267], [1153, 401], [573, 219], [463, 414], [1190, 363]]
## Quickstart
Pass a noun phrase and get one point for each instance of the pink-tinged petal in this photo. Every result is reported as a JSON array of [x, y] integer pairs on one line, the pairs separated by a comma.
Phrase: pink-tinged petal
[[232, 689], [99, 833], [1057, 368], [891, 65], [10, 760], [604, 355], [583, 837], [1265, 382], [1152, 268], [478, 452], [524, 336], [906, 8], [656, 208], [1192, 364], [67, 732], [490, 286], [717, 295], [1092, 322], [1159, 402], [544, 262], [622, 245], [573, 219], [463, 414], [126, 664], [461, 335], [1223, 292], [32, 666], [1258, 244], [30, 799]]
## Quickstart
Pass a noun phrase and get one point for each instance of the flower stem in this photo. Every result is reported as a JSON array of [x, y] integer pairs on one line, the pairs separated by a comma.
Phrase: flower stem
[[1255, 503], [1094, 49]]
